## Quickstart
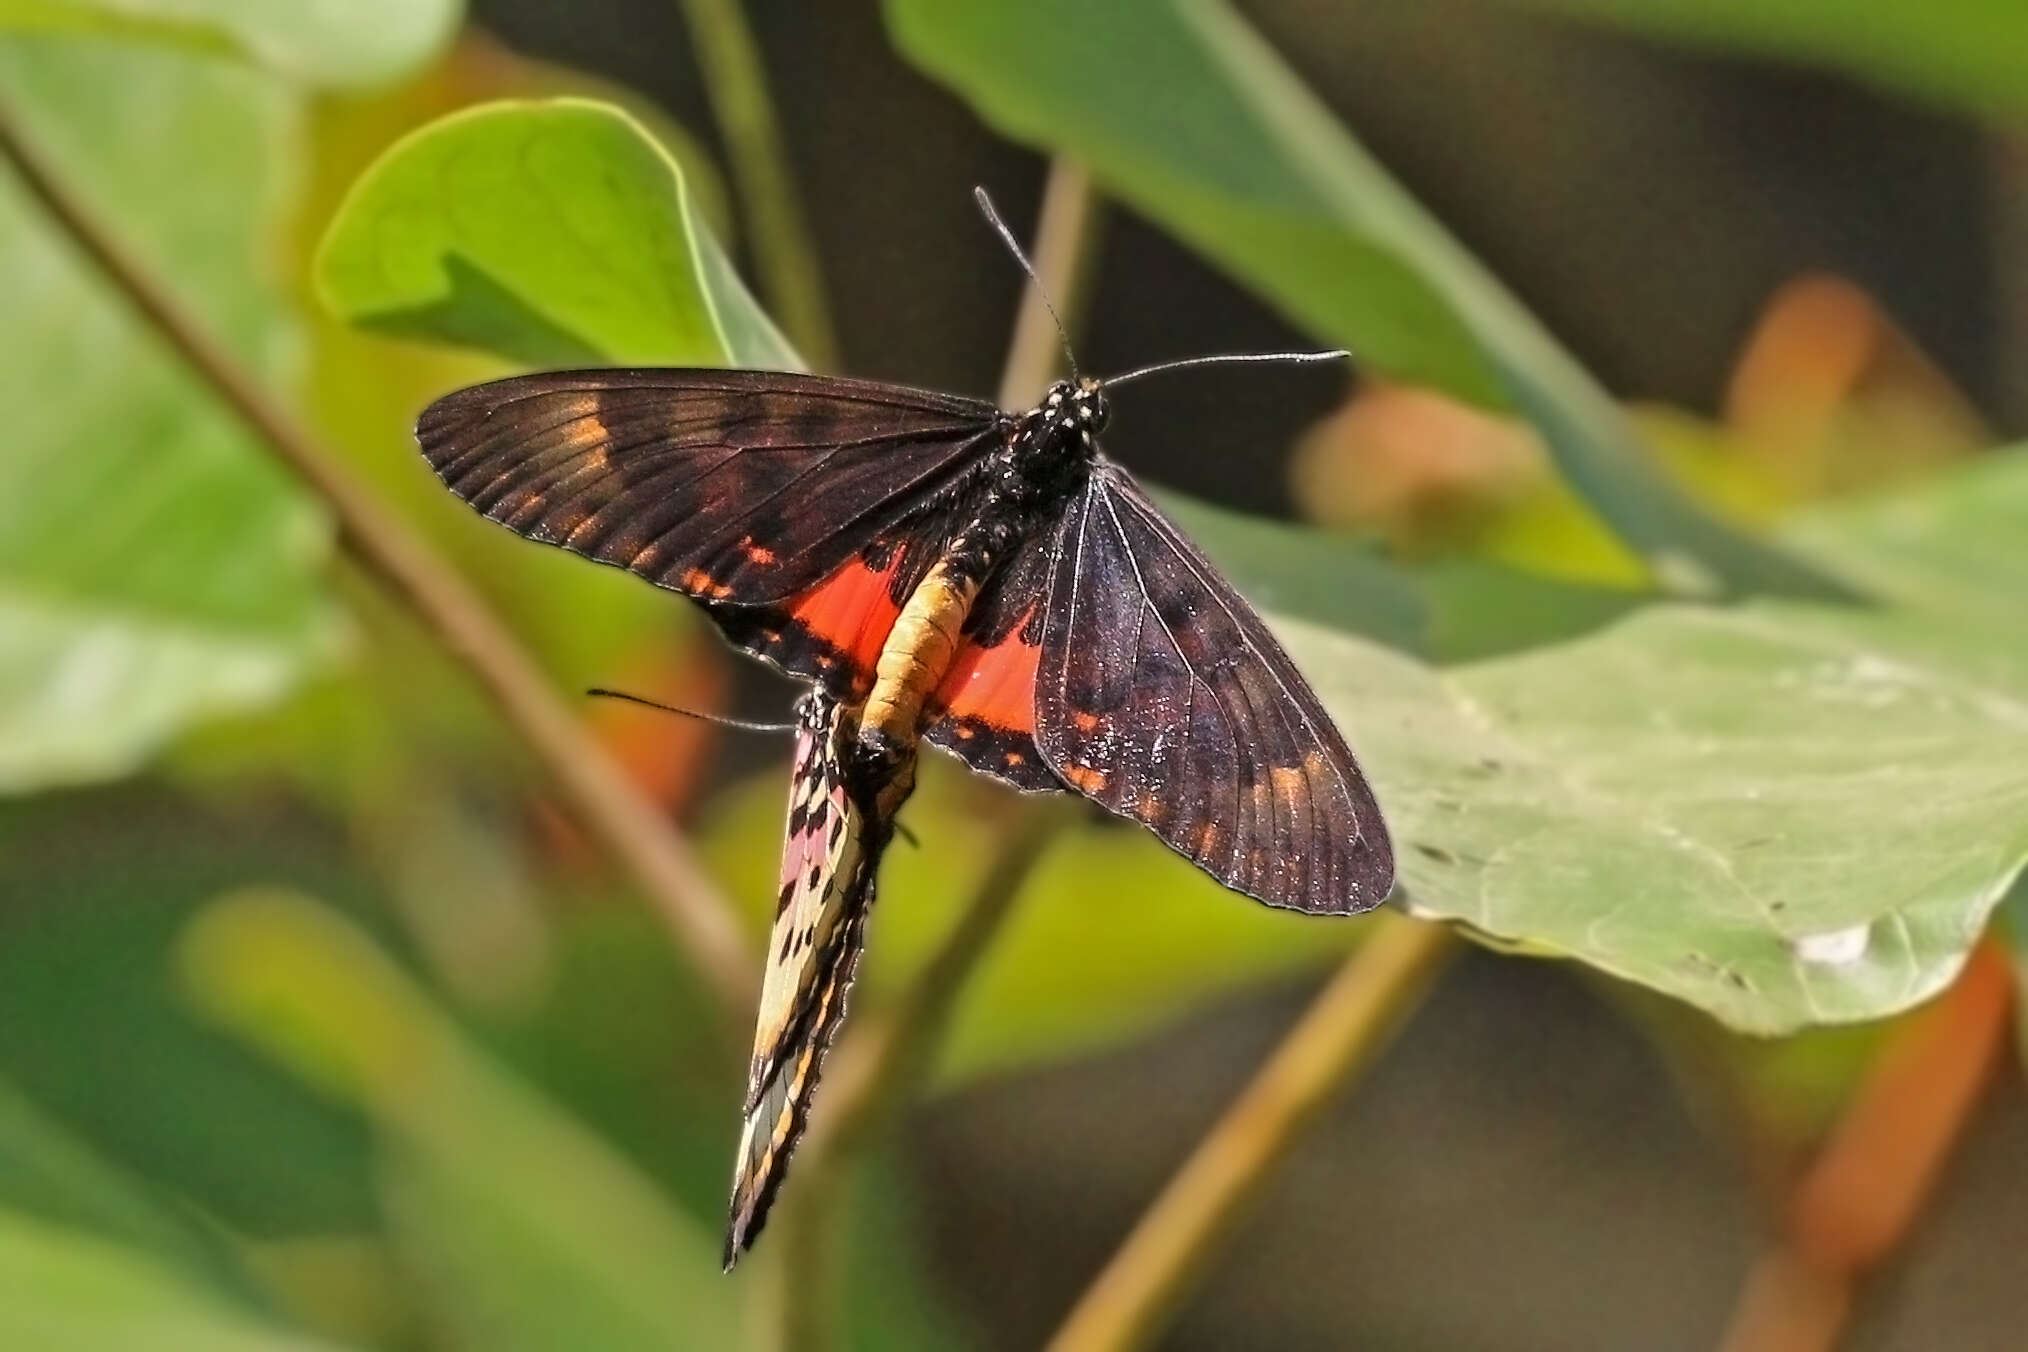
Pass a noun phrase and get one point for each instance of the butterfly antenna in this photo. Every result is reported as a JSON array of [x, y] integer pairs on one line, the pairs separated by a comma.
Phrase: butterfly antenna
[[743, 724], [992, 216], [1225, 359]]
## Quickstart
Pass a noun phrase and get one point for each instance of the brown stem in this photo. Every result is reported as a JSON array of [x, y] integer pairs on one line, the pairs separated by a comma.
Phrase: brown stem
[[1340, 1034], [735, 81], [1855, 1205], [660, 860]]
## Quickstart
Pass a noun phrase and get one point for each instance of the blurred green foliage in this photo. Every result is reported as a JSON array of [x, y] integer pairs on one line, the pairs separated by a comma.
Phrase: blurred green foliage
[[1961, 52], [461, 1099], [101, 661], [363, 43]]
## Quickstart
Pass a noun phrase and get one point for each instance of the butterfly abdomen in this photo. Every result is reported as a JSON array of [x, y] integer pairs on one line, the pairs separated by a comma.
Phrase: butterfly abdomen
[[918, 651]]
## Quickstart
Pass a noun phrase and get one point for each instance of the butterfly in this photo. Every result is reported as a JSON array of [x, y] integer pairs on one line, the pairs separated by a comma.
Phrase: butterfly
[[830, 860], [988, 580]]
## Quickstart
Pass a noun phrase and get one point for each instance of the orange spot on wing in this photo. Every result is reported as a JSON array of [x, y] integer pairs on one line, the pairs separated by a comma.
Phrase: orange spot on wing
[[1085, 779], [1084, 722], [759, 554], [700, 583]]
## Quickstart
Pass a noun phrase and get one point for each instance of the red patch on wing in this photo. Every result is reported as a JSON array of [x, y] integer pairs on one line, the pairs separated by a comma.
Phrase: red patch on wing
[[984, 710], [994, 686], [849, 614]]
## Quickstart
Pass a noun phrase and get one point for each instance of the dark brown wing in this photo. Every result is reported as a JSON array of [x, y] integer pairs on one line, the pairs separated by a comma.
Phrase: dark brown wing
[[740, 488], [1162, 696]]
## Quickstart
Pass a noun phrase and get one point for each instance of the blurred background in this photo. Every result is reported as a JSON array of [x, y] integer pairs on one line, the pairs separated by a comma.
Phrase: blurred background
[[324, 1025]]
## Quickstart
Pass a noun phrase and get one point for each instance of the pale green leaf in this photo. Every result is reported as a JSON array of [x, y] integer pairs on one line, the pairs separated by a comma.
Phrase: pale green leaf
[[155, 565], [553, 233], [359, 43]]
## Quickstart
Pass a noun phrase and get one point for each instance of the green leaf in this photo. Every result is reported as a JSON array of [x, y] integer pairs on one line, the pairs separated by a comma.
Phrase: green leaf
[[63, 1291], [552, 233], [1784, 814], [1183, 111], [1964, 53], [1953, 549], [363, 42], [1310, 574], [48, 1171], [155, 567], [521, 1227]]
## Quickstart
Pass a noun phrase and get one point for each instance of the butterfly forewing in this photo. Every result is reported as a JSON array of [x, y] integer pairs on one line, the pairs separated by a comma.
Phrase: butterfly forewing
[[1162, 696], [738, 487]]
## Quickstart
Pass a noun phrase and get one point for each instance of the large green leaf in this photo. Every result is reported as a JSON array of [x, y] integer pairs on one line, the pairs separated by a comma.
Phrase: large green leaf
[[552, 233], [1954, 549], [1184, 111], [1784, 814], [65, 1291], [155, 567], [363, 42], [523, 1230], [1969, 53]]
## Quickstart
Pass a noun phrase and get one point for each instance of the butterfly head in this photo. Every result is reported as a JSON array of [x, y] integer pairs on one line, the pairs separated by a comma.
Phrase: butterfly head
[[1077, 408]]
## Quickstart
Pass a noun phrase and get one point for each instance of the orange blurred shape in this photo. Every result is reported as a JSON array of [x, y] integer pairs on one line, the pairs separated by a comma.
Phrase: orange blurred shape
[[1419, 468], [1832, 394], [666, 755]]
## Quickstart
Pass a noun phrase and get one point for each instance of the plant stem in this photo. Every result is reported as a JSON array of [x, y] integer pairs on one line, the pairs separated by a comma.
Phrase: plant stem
[[418, 576], [736, 83], [1340, 1034], [878, 1067], [1856, 1203]]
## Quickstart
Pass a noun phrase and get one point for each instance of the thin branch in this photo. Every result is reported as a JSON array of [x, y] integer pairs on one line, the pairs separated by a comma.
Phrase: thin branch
[[660, 860], [736, 83], [1066, 229], [1854, 1207], [878, 1067], [1340, 1034]]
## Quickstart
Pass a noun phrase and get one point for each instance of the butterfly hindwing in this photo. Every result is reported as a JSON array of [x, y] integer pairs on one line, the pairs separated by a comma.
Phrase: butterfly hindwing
[[760, 493], [983, 709], [830, 857], [1162, 696]]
